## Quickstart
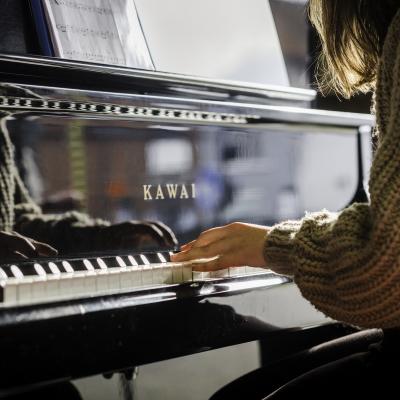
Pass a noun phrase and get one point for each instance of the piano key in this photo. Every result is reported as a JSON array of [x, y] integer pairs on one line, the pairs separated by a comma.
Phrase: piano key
[[143, 260], [114, 278], [3, 275], [126, 278], [187, 275], [132, 261], [161, 274], [177, 273], [90, 282], [136, 276], [237, 271], [120, 262], [34, 288], [17, 273], [101, 263], [25, 291], [101, 280], [162, 257], [198, 275], [88, 264], [10, 292], [67, 267], [221, 273], [45, 281], [55, 270], [147, 275]]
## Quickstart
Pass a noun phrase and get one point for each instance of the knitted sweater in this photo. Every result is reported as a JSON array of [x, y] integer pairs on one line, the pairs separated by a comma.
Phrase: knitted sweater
[[347, 264]]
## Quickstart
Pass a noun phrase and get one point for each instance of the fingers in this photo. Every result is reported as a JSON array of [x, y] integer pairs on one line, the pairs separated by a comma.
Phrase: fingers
[[16, 243], [44, 250], [195, 252], [207, 237], [16, 246]]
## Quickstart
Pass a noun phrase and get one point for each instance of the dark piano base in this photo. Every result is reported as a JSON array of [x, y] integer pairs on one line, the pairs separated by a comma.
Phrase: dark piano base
[[74, 339]]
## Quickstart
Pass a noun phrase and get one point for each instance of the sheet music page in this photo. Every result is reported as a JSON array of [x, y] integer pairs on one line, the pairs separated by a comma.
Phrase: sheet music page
[[103, 31]]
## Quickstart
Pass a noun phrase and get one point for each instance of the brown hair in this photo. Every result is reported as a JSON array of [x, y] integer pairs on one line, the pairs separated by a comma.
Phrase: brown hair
[[352, 34]]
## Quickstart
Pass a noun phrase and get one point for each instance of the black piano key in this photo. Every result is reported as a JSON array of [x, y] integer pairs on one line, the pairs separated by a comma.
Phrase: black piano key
[[77, 265], [152, 258], [111, 262], [51, 267]]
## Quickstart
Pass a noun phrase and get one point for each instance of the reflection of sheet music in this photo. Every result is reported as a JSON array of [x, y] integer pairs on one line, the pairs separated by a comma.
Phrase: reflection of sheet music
[[103, 31]]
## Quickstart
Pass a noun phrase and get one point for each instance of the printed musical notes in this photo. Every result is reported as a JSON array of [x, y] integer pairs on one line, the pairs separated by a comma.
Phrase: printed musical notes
[[101, 31]]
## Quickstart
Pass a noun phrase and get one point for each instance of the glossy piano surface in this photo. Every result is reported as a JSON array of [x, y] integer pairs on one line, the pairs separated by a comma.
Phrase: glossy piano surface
[[192, 153]]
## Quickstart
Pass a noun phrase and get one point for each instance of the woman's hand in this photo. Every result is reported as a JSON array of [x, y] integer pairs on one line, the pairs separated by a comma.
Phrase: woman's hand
[[15, 246], [231, 245]]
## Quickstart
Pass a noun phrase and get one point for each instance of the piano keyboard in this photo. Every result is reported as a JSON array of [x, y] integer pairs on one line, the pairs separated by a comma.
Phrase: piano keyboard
[[47, 281]]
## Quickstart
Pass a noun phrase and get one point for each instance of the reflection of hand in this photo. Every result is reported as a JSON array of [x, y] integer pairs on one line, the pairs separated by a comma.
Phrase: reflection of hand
[[15, 246], [231, 245], [138, 235]]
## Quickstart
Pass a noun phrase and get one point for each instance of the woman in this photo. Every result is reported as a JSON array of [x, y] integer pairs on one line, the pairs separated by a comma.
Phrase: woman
[[347, 264]]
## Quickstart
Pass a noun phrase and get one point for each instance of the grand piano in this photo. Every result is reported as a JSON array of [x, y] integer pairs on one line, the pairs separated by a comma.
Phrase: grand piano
[[187, 151]]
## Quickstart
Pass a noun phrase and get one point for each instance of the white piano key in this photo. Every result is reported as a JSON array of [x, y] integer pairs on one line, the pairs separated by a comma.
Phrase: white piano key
[[64, 286], [237, 271], [10, 293], [168, 274], [40, 270], [147, 275], [54, 268], [177, 273], [120, 262], [198, 275], [187, 275], [101, 263], [161, 258], [36, 289], [126, 281], [90, 283], [136, 276], [252, 270], [16, 272], [89, 266], [132, 261], [158, 274], [114, 278], [3, 275], [53, 286], [101, 280], [144, 259], [221, 273], [78, 283], [25, 292], [68, 267]]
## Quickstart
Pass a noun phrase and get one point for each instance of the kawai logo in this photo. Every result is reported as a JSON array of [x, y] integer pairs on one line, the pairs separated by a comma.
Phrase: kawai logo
[[169, 191]]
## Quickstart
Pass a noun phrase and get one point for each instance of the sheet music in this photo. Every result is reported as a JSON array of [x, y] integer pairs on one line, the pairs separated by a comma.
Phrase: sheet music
[[103, 31]]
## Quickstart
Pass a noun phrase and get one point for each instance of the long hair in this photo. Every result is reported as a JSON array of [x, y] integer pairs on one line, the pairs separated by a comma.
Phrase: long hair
[[352, 33]]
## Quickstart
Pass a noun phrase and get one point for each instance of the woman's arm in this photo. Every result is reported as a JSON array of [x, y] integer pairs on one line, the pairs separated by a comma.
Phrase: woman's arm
[[347, 264]]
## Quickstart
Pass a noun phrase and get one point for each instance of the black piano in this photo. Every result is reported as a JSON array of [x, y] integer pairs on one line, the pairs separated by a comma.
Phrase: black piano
[[189, 152]]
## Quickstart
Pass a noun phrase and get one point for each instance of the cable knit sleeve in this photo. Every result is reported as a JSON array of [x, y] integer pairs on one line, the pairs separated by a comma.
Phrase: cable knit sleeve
[[348, 264]]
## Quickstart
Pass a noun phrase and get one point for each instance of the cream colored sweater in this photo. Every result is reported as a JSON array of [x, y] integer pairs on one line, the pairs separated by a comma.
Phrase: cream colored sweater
[[347, 264]]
